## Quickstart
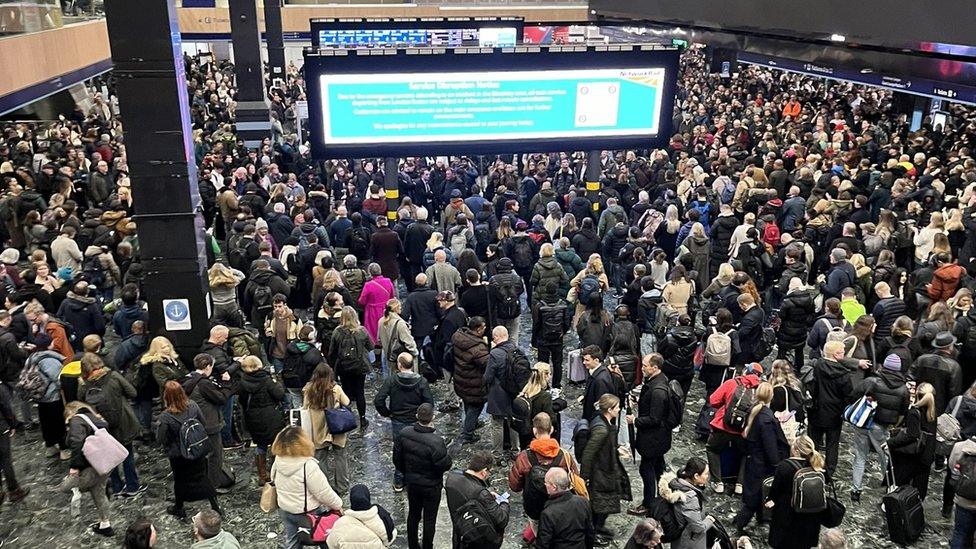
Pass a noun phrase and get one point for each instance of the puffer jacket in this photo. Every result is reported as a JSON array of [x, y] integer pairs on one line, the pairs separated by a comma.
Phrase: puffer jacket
[[360, 530], [678, 348], [689, 501], [548, 276], [796, 315], [260, 399], [301, 485], [945, 281], [890, 392], [470, 362]]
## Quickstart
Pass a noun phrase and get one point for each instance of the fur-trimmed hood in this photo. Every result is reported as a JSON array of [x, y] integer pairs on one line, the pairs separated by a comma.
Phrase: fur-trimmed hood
[[669, 494]]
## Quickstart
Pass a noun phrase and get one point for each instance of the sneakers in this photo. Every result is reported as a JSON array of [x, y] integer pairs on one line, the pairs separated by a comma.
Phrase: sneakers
[[133, 493], [469, 439], [107, 532], [16, 496], [51, 451], [718, 488], [738, 489], [397, 487], [65, 455], [639, 511], [233, 445], [856, 496]]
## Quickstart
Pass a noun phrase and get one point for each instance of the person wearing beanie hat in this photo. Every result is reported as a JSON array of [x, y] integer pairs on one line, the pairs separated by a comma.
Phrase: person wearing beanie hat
[[888, 390], [363, 524], [424, 459]]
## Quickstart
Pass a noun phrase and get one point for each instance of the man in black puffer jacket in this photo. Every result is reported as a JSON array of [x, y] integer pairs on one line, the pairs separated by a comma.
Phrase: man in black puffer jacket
[[398, 399], [470, 362], [721, 237], [889, 392], [422, 455], [678, 348], [613, 242]]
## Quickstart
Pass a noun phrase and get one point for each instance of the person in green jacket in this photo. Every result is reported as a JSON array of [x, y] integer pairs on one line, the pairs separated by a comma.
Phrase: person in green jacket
[[207, 533]]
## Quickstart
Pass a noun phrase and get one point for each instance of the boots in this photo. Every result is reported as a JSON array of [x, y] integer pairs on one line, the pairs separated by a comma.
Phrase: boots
[[261, 462], [18, 494]]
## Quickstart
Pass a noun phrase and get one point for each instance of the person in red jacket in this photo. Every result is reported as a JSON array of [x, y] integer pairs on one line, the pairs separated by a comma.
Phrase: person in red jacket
[[724, 436], [945, 279]]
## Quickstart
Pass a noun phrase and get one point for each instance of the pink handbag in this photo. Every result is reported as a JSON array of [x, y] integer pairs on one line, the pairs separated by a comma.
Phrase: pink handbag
[[102, 451]]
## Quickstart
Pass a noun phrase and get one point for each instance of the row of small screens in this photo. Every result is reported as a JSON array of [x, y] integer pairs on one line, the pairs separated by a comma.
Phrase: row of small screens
[[487, 37]]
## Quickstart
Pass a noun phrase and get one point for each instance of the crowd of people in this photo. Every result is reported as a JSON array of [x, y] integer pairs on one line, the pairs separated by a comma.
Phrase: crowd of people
[[795, 247]]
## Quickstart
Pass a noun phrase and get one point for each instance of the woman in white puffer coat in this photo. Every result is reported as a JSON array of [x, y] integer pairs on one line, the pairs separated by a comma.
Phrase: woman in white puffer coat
[[363, 525]]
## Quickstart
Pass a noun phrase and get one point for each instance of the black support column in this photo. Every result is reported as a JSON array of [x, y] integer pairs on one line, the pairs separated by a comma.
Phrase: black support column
[[253, 121], [391, 185], [151, 83], [592, 180], [273, 35]]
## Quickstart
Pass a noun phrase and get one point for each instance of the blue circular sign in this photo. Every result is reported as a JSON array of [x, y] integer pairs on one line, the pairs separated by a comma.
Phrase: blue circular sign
[[176, 311]]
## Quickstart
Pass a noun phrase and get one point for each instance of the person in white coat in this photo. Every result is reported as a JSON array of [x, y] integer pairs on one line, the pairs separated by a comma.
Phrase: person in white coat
[[363, 525]]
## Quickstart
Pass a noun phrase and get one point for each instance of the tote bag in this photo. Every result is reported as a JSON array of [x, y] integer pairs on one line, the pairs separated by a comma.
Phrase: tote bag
[[102, 451]]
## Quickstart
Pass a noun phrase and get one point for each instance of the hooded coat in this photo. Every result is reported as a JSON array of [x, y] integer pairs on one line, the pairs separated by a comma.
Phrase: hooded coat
[[84, 314], [260, 399], [688, 500], [608, 482], [795, 313], [470, 362]]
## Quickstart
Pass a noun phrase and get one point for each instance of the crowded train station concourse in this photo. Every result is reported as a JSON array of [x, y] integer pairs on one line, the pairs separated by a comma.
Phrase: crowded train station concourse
[[482, 275]]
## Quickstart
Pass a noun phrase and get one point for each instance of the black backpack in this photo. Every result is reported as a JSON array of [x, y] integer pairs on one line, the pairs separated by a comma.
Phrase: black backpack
[[534, 495], [522, 257], [92, 271], [294, 368], [739, 407], [966, 476], [263, 300], [358, 242], [482, 234], [676, 405], [673, 522], [517, 371], [521, 412], [69, 330], [194, 442], [237, 256], [509, 306], [473, 527], [552, 323], [581, 436]]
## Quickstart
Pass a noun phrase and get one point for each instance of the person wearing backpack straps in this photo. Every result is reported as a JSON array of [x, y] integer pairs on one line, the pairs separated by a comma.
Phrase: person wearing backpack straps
[[963, 408], [108, 392], [533, 399], [788, 528], [43, 371], [464, 487], [43, 322], [211, 391], [733, 393], [684, 494], [912, 444], [190, 479], [825, 325], [653, 433], [499, 399], [566, 519], [765, 447], [720, 343], [82, 422]]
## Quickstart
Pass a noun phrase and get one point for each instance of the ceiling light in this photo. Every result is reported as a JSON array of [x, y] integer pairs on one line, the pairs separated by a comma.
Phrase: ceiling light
[[837, 38]]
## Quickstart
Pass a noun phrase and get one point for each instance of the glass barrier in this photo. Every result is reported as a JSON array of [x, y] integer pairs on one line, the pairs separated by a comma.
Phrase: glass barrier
[[20, 16]]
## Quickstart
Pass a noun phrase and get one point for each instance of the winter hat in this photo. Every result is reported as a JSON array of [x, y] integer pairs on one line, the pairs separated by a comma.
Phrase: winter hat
[[359, 498], [42, 341], [10, 256], [260, 223], [521, 225], [754, 368], [892, 362]]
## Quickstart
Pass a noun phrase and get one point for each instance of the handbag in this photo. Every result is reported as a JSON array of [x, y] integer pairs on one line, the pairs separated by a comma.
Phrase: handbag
[[102, 451], [787, 420], [313, 527], [861, 413], [269, 497], [340, 420], [833, 515]]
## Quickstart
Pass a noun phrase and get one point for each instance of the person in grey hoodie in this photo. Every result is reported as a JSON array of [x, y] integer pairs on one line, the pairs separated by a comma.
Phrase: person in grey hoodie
[[686, 492]]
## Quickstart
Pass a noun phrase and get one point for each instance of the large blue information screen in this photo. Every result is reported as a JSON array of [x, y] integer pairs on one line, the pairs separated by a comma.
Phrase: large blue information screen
[[359, 109]]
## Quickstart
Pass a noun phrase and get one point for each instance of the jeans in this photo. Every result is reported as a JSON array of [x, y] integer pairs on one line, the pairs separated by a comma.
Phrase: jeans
[[294, 398], [129, 469], [227, 432], [471, 413], [553, 354], [7, 463], [396, 427], [289, 540], [651, 469], [422, 500], [278, 364], [963, 529], [832, 447], [143, 410], [499, 425], [864, 440]]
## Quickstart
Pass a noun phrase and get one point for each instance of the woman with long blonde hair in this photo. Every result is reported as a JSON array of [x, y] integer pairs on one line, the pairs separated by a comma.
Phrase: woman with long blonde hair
[[156, 366], [223, 289], [912, 444], [536, 393], [766, 446], [788, 528]]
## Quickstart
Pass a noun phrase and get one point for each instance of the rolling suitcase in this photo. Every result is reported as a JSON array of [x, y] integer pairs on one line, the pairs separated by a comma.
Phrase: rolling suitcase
[[902, 510], [577, 373]]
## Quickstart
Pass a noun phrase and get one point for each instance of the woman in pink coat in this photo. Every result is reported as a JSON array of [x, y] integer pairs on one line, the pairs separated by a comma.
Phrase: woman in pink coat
[[373, 299]]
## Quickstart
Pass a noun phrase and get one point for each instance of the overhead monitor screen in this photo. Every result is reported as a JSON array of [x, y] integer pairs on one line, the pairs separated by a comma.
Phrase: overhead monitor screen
[[532, 104], [405, 37], [496, 102]]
